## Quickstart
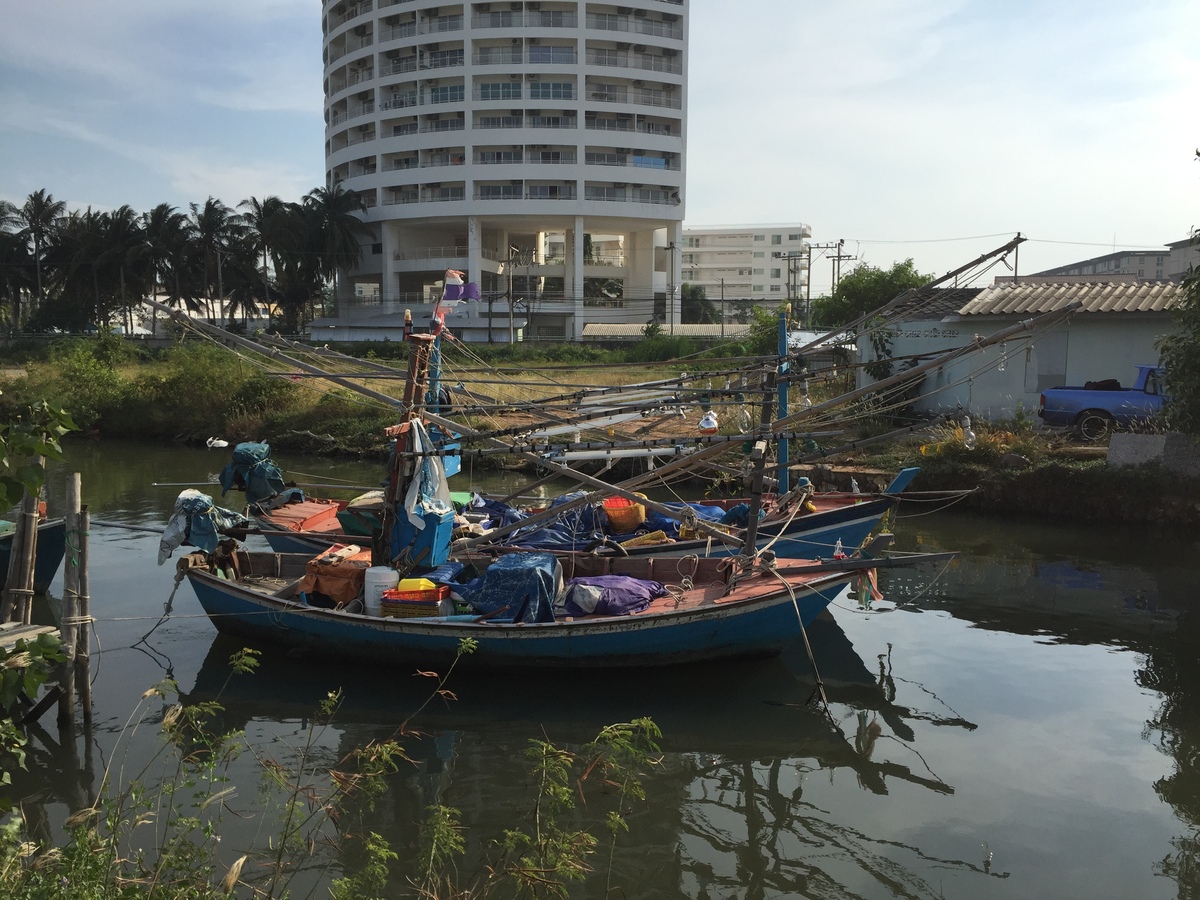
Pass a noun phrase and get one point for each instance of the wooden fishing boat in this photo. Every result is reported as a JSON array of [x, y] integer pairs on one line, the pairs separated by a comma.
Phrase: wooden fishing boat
[[714, 609], [51, 547], [812, 525]]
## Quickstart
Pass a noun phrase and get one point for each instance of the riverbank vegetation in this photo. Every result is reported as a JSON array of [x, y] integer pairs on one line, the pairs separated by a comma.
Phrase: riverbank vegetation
[[157, 824]]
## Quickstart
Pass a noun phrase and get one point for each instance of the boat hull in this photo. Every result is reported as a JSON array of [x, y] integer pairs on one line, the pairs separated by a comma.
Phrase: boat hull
[[759, 625], [51, 547]]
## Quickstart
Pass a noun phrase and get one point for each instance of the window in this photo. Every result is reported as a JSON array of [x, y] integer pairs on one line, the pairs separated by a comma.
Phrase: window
[[449, 93], [564, 121], [541, 54], [497, 157], [758, 271], [499, 192], [551, 90], [759, 254], [502, 90], [776, 288], [776, 273], [777, 239], [759, 237], [757, 287], [795, 237]]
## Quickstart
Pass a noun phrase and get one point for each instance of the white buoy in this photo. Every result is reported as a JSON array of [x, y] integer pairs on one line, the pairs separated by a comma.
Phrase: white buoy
[[216, 442]]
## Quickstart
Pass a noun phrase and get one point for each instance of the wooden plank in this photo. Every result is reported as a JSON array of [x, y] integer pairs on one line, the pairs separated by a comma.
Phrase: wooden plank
[[11, 632]]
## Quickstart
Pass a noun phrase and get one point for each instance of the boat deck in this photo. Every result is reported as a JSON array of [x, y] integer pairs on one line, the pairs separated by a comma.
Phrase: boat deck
[[692, 582]]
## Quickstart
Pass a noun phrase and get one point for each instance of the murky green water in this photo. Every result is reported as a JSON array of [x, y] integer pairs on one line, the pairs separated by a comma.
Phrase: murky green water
[[1023, 723]]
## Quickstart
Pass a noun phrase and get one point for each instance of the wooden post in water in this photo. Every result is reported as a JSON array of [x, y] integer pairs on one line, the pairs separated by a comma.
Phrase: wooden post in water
[[70, 605], [17, 603], [84, 642]]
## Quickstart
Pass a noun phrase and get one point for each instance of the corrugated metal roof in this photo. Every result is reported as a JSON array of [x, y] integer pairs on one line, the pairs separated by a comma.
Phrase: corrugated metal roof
[[932, 303], [1109, 297], [614, 330]]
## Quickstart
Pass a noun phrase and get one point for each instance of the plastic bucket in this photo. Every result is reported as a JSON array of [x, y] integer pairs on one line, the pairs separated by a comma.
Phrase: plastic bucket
[[376, 580]]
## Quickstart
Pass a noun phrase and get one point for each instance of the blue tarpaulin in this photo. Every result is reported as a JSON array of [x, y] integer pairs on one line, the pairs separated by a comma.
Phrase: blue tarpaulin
[[518, 586], [198, 523], [253, 470]]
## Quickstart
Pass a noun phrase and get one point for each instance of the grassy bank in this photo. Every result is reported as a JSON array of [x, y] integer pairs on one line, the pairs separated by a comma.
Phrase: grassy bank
[[199, 389]]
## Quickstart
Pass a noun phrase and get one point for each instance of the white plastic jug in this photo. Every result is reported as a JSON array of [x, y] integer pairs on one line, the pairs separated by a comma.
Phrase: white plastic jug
[[376, 580]]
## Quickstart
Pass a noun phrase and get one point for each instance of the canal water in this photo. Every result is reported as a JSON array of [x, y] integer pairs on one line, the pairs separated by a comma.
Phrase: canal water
[[1023, 722]]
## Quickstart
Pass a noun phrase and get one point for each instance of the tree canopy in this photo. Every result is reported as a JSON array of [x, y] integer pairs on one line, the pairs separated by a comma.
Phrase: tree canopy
[[72, 270], [863, 289], [1180, 354]]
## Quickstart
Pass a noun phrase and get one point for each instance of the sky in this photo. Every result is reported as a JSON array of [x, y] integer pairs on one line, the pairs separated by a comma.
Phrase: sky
[[930, 129]]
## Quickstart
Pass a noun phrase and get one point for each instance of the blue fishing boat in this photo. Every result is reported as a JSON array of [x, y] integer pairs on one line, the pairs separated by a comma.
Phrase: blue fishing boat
[[51, 547], [710, 609]]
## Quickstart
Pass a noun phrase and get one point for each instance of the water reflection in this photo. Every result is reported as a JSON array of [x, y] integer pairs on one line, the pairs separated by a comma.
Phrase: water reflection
[[1038, 701], [726, 804]]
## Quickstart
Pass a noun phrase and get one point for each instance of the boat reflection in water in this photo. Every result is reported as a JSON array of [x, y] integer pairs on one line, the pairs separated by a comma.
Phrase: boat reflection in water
[[725, 808]]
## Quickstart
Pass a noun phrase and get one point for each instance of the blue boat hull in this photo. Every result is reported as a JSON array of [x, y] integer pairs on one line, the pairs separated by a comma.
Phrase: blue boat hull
[[755, 627], [51, 547]]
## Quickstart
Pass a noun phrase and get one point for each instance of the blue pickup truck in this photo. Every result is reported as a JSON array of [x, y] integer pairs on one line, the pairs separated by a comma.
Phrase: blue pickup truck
[[1094, 409]]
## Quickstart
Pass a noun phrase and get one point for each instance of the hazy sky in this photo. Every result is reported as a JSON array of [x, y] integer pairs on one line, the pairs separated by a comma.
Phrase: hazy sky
[[926, 128]]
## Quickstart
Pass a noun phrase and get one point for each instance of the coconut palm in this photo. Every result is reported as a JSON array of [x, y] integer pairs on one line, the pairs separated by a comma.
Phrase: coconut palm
[[125, 255], [214, 227], [335, 230], [39, 217], [16, 274], [174, 265]]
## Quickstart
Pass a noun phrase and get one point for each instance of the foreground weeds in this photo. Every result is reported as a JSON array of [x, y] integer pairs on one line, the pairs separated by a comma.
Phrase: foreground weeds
[[157, 828]]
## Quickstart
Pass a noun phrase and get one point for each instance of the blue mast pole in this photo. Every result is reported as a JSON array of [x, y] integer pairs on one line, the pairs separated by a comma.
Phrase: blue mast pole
[[782, 388]]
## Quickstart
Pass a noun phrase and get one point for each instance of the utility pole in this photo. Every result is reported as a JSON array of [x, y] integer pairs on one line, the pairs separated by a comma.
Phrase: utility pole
[[837, 261], [837, 245], [722, 309], [671, 285]]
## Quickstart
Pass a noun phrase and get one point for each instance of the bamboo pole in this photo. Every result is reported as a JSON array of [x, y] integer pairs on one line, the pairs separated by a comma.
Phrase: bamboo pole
[[84, 641], [17, 603], [70, 608]]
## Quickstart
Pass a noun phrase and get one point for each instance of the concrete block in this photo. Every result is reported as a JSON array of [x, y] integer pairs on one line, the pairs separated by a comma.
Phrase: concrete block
[[1175, 452]]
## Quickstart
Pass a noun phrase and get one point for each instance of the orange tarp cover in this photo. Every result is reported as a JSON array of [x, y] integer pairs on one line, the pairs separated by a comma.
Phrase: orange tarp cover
[[337, 575]]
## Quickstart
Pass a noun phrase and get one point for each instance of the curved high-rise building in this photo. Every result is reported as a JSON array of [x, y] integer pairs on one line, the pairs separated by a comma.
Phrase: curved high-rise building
[[536, 145]]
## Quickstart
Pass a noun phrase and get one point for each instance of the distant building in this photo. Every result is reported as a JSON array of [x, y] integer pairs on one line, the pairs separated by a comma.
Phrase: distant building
[[1167, 264], [1115, 328], [765, 265], [503, 140]]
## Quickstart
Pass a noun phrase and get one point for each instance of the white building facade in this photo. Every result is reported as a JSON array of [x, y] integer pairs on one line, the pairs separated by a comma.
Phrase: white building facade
[[536, 146], [763, 265]]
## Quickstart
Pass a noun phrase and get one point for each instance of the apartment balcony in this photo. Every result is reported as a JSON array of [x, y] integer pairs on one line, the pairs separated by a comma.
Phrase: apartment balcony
[[442, 125], [351, 12], [632, 25], [396, 32], [441, 24], [504, 19], [620, 59], [498, 56], [400, 66], [551, 19]]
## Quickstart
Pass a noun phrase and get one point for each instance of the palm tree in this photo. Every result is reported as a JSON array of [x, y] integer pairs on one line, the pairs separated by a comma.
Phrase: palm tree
[[214, 228], [74, 258], [40, 216], [335, 229], [16, 262], [16, 273], [126, 251], [168, 236], [261, 221]]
